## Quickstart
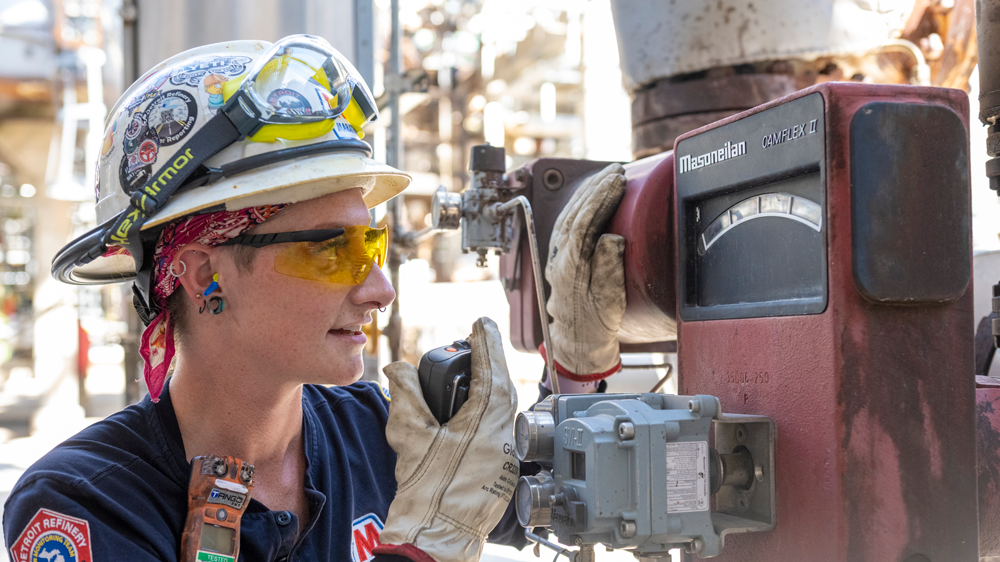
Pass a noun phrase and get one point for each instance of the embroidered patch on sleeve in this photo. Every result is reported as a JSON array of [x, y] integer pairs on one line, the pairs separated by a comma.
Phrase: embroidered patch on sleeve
[[365, 531], [53, 537], [385, 392]]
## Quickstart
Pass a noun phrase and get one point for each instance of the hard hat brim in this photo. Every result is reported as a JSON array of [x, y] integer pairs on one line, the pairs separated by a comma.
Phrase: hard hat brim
[[289, 182], [286, 182]]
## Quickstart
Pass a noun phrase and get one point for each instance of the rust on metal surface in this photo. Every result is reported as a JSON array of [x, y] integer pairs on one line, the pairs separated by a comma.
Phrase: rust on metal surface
[[943, 32], [874, 403], [952, 55], [734, 93], [988, 464], [668, 109], [655, 137]]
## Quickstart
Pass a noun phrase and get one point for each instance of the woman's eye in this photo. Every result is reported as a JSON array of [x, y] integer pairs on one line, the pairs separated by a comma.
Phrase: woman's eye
[[328, 244]]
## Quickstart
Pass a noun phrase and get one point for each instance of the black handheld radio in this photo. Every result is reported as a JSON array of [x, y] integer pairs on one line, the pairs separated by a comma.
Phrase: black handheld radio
[[445, 373]]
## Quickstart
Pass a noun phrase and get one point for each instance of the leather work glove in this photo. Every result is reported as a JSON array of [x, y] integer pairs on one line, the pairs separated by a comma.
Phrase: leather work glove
[[455, 480], [587, 275]]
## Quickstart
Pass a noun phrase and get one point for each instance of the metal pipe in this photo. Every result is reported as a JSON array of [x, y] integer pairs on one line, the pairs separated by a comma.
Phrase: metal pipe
[[529, 223], [737, 469], [412, 238], [923, 70], [130, 41], [364, 46], [130, 70], [659, 384], [67, 145], [394, 152], [988, 48], [651, 366], [560, 551], [988, 52], [394, 157]]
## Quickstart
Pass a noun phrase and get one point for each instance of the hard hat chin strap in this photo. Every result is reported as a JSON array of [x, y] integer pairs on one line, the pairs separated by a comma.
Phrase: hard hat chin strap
[[238, 118], [145, 312]]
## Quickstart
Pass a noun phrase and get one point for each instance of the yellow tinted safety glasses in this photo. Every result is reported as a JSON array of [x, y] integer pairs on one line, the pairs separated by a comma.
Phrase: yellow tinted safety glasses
[[343, 256]]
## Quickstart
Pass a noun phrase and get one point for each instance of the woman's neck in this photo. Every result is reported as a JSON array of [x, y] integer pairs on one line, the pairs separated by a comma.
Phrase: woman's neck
[[232, 410]]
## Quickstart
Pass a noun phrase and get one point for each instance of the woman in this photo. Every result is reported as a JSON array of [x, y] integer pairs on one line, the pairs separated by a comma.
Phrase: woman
[[245, 230]]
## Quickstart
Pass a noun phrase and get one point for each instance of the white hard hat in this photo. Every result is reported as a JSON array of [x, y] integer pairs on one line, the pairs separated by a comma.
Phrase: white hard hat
[[309, 105]]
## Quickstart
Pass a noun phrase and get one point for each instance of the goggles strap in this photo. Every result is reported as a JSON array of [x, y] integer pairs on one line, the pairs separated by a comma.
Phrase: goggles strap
[[206, 175], [238, 118], [261, 240]]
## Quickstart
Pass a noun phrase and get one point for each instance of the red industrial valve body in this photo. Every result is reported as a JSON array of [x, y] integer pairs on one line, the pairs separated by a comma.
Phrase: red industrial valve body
[[865, 365], [812, 257]]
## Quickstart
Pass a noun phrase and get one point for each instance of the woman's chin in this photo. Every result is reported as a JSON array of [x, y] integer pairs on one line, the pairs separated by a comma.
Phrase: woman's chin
[[344, 373]]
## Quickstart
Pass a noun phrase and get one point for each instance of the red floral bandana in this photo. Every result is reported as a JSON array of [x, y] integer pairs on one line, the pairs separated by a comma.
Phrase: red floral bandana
[[157, 345]]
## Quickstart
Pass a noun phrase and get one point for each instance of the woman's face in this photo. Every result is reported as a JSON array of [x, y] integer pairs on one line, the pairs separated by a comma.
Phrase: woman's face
[[303, 331]]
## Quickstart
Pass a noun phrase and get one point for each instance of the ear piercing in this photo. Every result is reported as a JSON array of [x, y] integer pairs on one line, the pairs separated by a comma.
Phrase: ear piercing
[[183, 271], [215, 305]]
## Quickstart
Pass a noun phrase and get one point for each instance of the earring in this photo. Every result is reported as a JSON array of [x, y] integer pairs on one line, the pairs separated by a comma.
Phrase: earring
[[172, 272], [218, 305]]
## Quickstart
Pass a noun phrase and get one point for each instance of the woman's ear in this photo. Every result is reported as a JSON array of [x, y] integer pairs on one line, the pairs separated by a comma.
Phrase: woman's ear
[[194, 263]]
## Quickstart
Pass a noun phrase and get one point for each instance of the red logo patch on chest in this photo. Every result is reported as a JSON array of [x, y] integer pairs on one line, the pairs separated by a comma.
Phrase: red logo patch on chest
[[364, 537], [53, 537]]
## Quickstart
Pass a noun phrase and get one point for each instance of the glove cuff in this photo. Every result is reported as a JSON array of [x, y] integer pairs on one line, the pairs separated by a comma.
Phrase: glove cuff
[[405, 550], [591, 377]]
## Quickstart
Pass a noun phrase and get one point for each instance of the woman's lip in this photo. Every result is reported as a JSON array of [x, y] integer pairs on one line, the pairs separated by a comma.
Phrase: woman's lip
[[354, 336]]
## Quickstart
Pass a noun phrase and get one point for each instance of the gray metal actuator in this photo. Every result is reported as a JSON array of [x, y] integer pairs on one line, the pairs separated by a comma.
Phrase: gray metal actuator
[[641, 471]]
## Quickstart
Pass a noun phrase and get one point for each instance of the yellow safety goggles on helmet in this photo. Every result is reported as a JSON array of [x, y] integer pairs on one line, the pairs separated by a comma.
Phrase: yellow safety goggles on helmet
[[300, 86], [335, 255]]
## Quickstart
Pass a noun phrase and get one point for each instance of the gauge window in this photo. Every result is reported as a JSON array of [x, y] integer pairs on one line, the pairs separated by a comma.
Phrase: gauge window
[[782, 205], [761, 246]]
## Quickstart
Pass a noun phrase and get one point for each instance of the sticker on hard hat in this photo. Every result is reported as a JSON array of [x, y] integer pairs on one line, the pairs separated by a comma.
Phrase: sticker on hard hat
[[172, 115], [133, 179], [52, 536], [344, 130], [150, 92], [191, 74], [109, 140], [134, 104], [136, 126], [144, 156], [213, 88]]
